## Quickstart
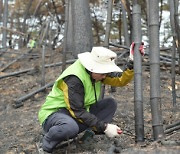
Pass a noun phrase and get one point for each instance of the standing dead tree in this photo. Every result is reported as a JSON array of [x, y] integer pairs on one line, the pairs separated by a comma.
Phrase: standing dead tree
[[108, 24], [1, 6], [138, 95], [43, 43], [155, 97], [177, 27], [70, 38], [125, 26], [26, 14], [172, 21], [107, 34], [5, 21], [65, 35], [127, 7]]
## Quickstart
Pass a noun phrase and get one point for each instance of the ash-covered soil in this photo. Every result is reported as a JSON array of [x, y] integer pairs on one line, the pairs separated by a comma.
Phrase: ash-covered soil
[[20, 129]]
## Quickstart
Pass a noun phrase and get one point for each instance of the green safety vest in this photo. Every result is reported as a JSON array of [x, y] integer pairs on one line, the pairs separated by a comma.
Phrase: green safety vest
[[32, 43], [56, 100]]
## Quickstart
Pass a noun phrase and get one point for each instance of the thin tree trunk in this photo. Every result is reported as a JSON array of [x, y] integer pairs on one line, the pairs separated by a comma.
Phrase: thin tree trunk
[[65, 35], [96, 28], [125, 26], [108, 24], [119, 26], [138, 95], [147, 3], [177, 28], [43, 66], [25, 17], [127, 7], [45, 32], [155, 97], [107, 34], [1, 8], [5, 21], [70, 31], [161, 10], [37, 8], [60, 22], [172, 21]]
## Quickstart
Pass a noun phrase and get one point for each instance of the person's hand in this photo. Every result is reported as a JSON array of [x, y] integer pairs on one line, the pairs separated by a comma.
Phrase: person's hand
[[131, 54], [112, 130], [141, 49]]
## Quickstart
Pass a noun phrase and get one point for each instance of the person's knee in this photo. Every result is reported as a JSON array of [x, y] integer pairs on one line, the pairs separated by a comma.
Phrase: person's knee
[[66, 128], [71, 129], [111, 103]]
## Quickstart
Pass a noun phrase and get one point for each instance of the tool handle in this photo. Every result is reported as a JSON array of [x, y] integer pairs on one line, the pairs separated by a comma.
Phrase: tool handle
[[119, 131]]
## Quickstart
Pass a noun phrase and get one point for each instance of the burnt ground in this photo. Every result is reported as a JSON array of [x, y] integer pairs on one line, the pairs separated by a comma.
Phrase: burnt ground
[[20, 129]]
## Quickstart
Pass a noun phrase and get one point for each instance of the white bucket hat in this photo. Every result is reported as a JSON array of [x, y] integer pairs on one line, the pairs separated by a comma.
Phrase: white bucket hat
[[99, 60]]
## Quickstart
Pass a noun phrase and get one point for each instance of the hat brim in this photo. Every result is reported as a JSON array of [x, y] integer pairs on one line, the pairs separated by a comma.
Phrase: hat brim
[[92, 66]]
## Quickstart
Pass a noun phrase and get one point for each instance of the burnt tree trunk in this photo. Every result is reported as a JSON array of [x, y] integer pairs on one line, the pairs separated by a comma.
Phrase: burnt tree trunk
[[155, 96]]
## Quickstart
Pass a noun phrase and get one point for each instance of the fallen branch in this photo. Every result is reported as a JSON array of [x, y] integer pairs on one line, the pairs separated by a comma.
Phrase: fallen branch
[[16, 73], [33, 69], [122, 54], [5, 67], [172, 129], [13, 31], [19, 102], [172, 125], [170, 143], [60, 63], [119, 46]]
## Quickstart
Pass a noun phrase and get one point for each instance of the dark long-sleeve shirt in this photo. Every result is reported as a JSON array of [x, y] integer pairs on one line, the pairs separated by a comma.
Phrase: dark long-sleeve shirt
[[76, 97]]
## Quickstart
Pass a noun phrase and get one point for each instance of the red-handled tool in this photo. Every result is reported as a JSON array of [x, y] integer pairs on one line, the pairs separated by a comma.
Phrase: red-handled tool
[[119, 131]]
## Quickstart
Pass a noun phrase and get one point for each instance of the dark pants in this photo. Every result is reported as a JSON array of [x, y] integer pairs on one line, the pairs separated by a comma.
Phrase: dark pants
[[60, 126]]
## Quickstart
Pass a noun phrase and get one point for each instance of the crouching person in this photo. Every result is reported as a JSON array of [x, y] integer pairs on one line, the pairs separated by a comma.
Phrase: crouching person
[[73, 104]]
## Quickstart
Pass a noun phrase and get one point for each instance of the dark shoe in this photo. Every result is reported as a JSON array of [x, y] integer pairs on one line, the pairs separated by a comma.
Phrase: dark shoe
[[40, 149], [88, 135]]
